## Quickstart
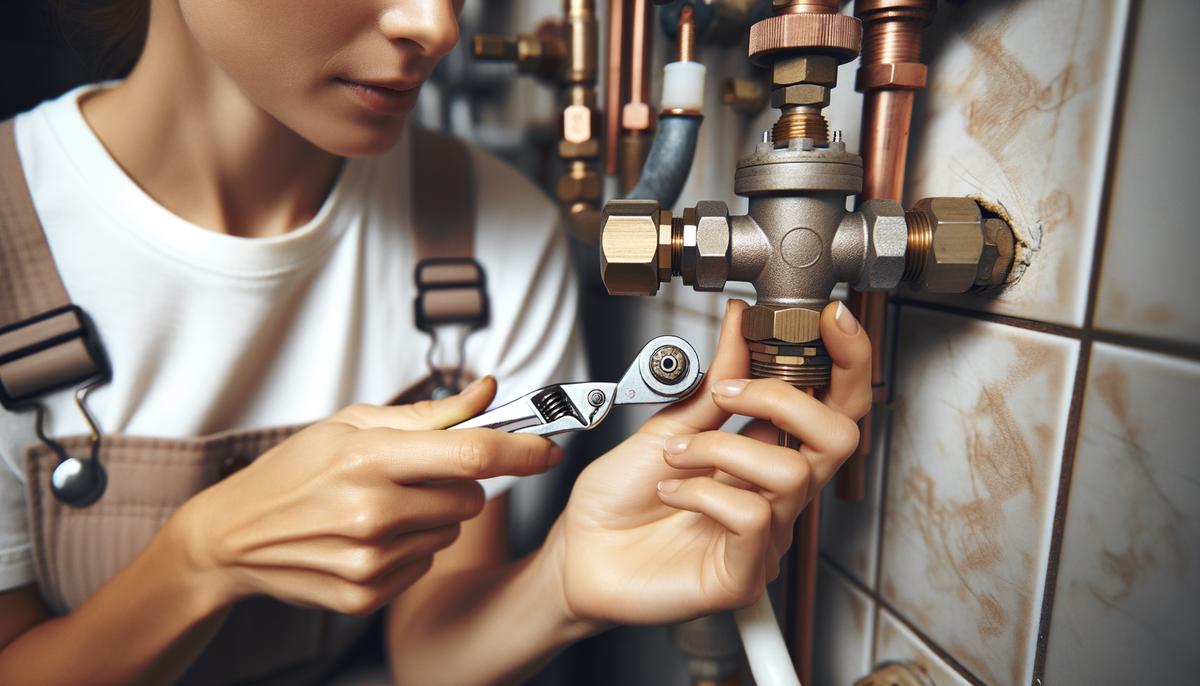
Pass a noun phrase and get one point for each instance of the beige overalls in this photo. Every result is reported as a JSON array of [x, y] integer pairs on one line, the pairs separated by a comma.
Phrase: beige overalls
[[77, 549]]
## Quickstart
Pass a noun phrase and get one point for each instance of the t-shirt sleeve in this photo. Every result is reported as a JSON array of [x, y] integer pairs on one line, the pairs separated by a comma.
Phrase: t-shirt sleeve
[[533, 339], [16, 553]]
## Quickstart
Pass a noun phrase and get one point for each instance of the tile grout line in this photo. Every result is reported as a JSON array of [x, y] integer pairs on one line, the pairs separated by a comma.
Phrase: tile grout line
[[881, 604], [1187, 351], [1088, 336]]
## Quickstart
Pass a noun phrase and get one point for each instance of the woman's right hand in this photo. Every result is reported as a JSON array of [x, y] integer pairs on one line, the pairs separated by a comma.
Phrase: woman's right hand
[[348, 513]]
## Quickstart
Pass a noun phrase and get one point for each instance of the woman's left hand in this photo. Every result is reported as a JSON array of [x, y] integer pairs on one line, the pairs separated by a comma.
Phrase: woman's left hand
[[683, 520]]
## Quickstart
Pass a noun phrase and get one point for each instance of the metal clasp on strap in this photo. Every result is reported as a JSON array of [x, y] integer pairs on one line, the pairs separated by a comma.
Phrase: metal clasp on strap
[[451, 295], [49, 352]]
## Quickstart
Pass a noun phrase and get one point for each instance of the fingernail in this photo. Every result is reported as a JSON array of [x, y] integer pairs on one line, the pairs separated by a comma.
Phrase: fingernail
[[668, 486], [729, 387], [677, 444], [473, 386], [845, 321]]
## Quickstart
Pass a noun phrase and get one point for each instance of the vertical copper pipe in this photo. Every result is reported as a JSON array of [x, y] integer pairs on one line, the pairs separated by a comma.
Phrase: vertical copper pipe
[[686, 45], [892, 33], [616, 84]]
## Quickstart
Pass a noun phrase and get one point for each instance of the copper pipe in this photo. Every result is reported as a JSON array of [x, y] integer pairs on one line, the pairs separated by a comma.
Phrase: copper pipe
[[892, 34], [804, 585], [686, 45], [803, 6], [616, 84]]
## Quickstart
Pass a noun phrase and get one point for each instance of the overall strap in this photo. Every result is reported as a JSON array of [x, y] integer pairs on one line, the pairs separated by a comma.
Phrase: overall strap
[[29, 281], [443, 196], [46, 343], [451, 288]]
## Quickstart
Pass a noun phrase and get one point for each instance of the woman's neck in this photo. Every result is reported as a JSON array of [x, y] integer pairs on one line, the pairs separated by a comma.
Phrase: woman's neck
[[184, 132]]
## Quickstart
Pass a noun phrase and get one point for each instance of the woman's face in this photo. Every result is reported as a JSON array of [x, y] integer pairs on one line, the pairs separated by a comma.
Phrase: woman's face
[[341, 73]]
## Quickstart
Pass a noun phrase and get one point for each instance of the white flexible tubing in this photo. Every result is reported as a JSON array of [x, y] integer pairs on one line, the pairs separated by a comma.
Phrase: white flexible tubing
[[762, 640]]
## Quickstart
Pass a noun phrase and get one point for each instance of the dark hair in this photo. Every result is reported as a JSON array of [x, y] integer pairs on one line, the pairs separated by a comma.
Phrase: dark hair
[[108, 34]]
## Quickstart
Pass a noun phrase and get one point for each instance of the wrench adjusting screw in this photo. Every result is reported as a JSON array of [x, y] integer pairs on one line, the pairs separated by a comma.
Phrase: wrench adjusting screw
[[668, 364]]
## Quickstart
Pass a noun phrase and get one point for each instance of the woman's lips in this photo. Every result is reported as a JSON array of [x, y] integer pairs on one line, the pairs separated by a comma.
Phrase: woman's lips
[[383, 99]]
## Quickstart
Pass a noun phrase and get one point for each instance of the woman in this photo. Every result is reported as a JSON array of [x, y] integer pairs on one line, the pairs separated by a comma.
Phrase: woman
[[232, 216]]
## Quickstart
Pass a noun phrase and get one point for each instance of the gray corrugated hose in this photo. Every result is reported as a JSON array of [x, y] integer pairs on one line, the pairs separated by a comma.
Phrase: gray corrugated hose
[[669, 161]]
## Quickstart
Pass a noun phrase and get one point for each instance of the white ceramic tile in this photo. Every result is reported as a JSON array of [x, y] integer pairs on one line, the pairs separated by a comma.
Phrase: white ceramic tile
[[1149, 258], [974, 459], [850, 530], [845, 623], [1125, 602], [895, 643], [1019, 111]]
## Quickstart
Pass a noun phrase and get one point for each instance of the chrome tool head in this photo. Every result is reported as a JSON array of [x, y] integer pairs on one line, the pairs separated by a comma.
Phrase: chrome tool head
[[666, 370]]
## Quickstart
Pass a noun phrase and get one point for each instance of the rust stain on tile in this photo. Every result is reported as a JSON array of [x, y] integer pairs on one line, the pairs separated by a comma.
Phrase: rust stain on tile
[[1126, 562]]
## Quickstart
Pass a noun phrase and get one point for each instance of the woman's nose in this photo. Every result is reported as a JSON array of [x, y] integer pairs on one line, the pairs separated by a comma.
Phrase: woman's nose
[[431, 24]]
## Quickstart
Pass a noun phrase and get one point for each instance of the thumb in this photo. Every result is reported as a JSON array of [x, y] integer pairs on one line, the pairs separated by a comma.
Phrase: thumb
[[424, 415], [731, 361]]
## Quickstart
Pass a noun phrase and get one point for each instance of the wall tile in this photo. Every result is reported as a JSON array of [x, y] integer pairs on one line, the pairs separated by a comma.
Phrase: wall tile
[[1124, 606], [846, 618], [980, 417], [1019, 111], [895, 643], [1151, 246], [850, 530]]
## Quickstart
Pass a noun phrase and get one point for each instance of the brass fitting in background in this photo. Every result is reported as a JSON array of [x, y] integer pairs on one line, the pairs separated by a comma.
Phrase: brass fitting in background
[[896, 674], [541, 53], [564, 53], [745, 95]]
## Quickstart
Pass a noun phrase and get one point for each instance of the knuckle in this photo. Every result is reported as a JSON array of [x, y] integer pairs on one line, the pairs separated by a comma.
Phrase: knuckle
[[357, 600], [365, 524], [473, 501], [845, 436], [472, 454], [795, 473], [758, 516], [363, 564]]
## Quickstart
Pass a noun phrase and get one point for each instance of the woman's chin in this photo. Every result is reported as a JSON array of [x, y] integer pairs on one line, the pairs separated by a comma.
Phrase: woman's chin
[[358, 140]]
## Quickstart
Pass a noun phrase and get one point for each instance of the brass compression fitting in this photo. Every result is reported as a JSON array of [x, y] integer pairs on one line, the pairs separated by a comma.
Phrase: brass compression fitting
[[943, 245]]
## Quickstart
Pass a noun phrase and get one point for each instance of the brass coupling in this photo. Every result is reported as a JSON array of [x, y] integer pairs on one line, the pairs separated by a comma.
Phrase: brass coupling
[[955, 247], [891, 50], [642, 246], [541, 53]]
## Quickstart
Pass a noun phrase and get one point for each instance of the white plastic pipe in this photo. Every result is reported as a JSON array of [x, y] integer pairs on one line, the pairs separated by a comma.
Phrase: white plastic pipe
[[762, 640]]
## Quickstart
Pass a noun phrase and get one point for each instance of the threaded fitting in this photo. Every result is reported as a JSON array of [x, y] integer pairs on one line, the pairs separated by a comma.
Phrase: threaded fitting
[[796, 123], [920, 240]]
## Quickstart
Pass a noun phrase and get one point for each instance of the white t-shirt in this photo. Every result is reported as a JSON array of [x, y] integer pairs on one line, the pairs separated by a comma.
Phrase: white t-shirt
[[208, 332]]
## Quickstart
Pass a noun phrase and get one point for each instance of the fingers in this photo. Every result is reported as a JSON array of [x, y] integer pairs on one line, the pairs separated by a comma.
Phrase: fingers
[[424, 415], [850, 379], [732, 360], [415, 456], [745, 515], [828, 435], [782, 474]]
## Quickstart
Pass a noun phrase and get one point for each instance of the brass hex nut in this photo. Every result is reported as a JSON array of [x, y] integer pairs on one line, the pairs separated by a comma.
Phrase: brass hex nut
[[999, 250], [710, 254], [629, 247], [956, 244], [748, 96], [886, 244], [892, 75], [800, 94], [787, 324], [569, 150], [818, 69], [585, 187]]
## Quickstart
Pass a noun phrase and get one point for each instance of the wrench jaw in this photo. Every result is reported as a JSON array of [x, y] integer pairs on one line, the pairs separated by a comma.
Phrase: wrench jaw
[[648, 380]]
